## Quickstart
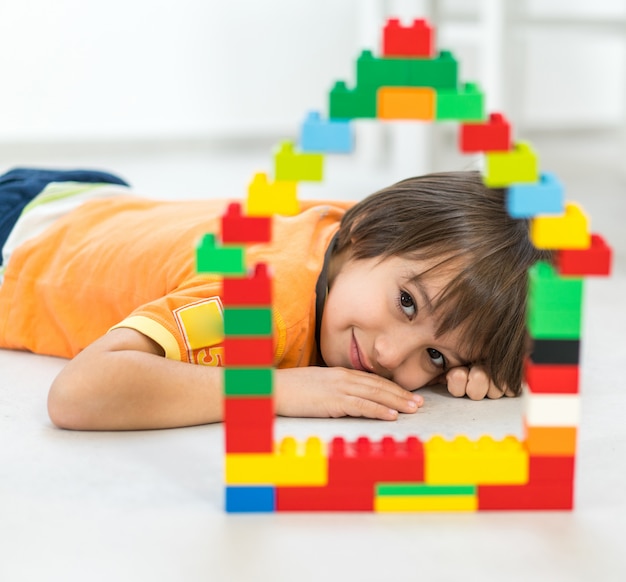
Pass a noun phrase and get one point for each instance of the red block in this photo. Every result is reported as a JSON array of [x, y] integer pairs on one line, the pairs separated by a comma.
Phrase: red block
[[490, 136], [550, 486], [251, 290], [248, 351], [366, 462], [551, 469], [237, 228], [552, 378], [557, 496], [353, 497], [417, 40], [596, 260], [249, 425]]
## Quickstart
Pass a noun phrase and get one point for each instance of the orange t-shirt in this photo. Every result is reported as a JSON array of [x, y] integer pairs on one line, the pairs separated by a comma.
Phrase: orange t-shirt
[[130, 262]]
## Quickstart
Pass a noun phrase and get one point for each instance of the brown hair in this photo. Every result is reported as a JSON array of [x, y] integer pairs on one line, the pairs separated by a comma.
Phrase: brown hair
[[452, 216]]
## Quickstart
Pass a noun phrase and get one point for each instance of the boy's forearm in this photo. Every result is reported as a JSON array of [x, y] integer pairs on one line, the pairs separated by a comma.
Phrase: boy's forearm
[[131, 390]]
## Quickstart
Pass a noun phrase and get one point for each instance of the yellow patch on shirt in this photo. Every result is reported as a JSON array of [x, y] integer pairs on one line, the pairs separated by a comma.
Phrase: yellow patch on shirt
[[201, 325]]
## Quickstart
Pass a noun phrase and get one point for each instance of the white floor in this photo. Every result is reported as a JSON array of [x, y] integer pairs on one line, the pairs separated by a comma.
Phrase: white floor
[[148, 505]]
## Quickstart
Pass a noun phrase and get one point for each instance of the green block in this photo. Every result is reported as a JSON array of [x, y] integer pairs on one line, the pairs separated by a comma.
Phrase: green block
[[468, 104], [345, 103], [248, 381], [547, 290], [554, 324], [555, 303], [291, 166], [220, 260], [248, 321], [438, 73], [408, 489], [381, 72]]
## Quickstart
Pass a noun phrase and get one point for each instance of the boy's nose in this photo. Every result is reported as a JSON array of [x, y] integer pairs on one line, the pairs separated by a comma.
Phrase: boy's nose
[[390, 352]]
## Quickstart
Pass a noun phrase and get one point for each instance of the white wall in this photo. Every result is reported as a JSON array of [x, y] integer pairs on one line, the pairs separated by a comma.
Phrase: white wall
[[120, 69], [74, 69]]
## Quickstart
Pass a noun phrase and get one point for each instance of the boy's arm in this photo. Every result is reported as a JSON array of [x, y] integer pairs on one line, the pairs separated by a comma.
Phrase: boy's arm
[[123, 382]]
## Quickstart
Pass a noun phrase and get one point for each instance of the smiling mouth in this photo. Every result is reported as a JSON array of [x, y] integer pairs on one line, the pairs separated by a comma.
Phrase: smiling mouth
[[355, 356]]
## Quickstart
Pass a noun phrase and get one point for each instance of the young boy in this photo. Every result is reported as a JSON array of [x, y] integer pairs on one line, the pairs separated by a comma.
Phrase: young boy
[[422, 282]]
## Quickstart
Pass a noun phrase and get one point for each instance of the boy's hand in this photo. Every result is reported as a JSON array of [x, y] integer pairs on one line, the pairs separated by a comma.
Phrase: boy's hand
[[335, 392], [473, 383]]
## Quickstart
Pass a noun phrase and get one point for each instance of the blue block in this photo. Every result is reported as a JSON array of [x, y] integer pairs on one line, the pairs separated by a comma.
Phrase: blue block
[[529, 200], [250, 499], [326, 136]]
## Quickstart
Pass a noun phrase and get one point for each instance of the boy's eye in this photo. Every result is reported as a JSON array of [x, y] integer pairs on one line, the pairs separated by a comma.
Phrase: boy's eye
[[437, 357], [407, 304]]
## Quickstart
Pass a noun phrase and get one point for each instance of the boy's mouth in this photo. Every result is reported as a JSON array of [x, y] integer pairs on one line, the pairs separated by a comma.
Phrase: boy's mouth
[[355, 356]]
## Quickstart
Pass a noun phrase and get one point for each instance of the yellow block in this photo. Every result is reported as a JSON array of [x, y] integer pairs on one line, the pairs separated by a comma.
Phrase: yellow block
[[290, 464], [406, 103], [401, 503], [567, 231], [519, 165], [266, 198], [483, 462]]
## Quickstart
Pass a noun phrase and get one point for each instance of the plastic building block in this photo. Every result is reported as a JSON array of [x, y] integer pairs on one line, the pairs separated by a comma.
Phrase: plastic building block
[[248, 351], [248, 321], [550, 486], [254, 289], [556, 351], [411, 497], [531, 497], [596, 260], [366, 461], [289, 465], [241, 499], [568, 231], [555, 304], [291, 166], [219, 260], [249, 425], [554, 469], [357, 103], [464, 104], [423, 503], [490, 136], [440, 72], [406, 103], [464, 462], [355, 496], [550, 440], [248, 381], [551, 409], [326, 136], [552, 378], [237, 228], [519, 165], [528, 200], [417, 40], [266, 198]]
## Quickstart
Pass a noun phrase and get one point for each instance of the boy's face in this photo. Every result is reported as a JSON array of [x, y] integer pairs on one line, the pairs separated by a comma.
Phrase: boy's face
[[377, 318]]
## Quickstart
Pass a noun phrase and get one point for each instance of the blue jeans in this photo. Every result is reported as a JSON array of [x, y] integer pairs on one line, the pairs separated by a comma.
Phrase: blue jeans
[[19, 186]]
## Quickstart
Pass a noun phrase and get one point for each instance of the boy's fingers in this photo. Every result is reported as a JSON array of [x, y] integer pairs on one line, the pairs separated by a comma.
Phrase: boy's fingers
[[478, 384], [457, 380]]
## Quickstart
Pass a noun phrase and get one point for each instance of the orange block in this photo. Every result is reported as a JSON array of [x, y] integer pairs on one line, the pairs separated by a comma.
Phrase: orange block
[[406, 103], [550, 440]]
